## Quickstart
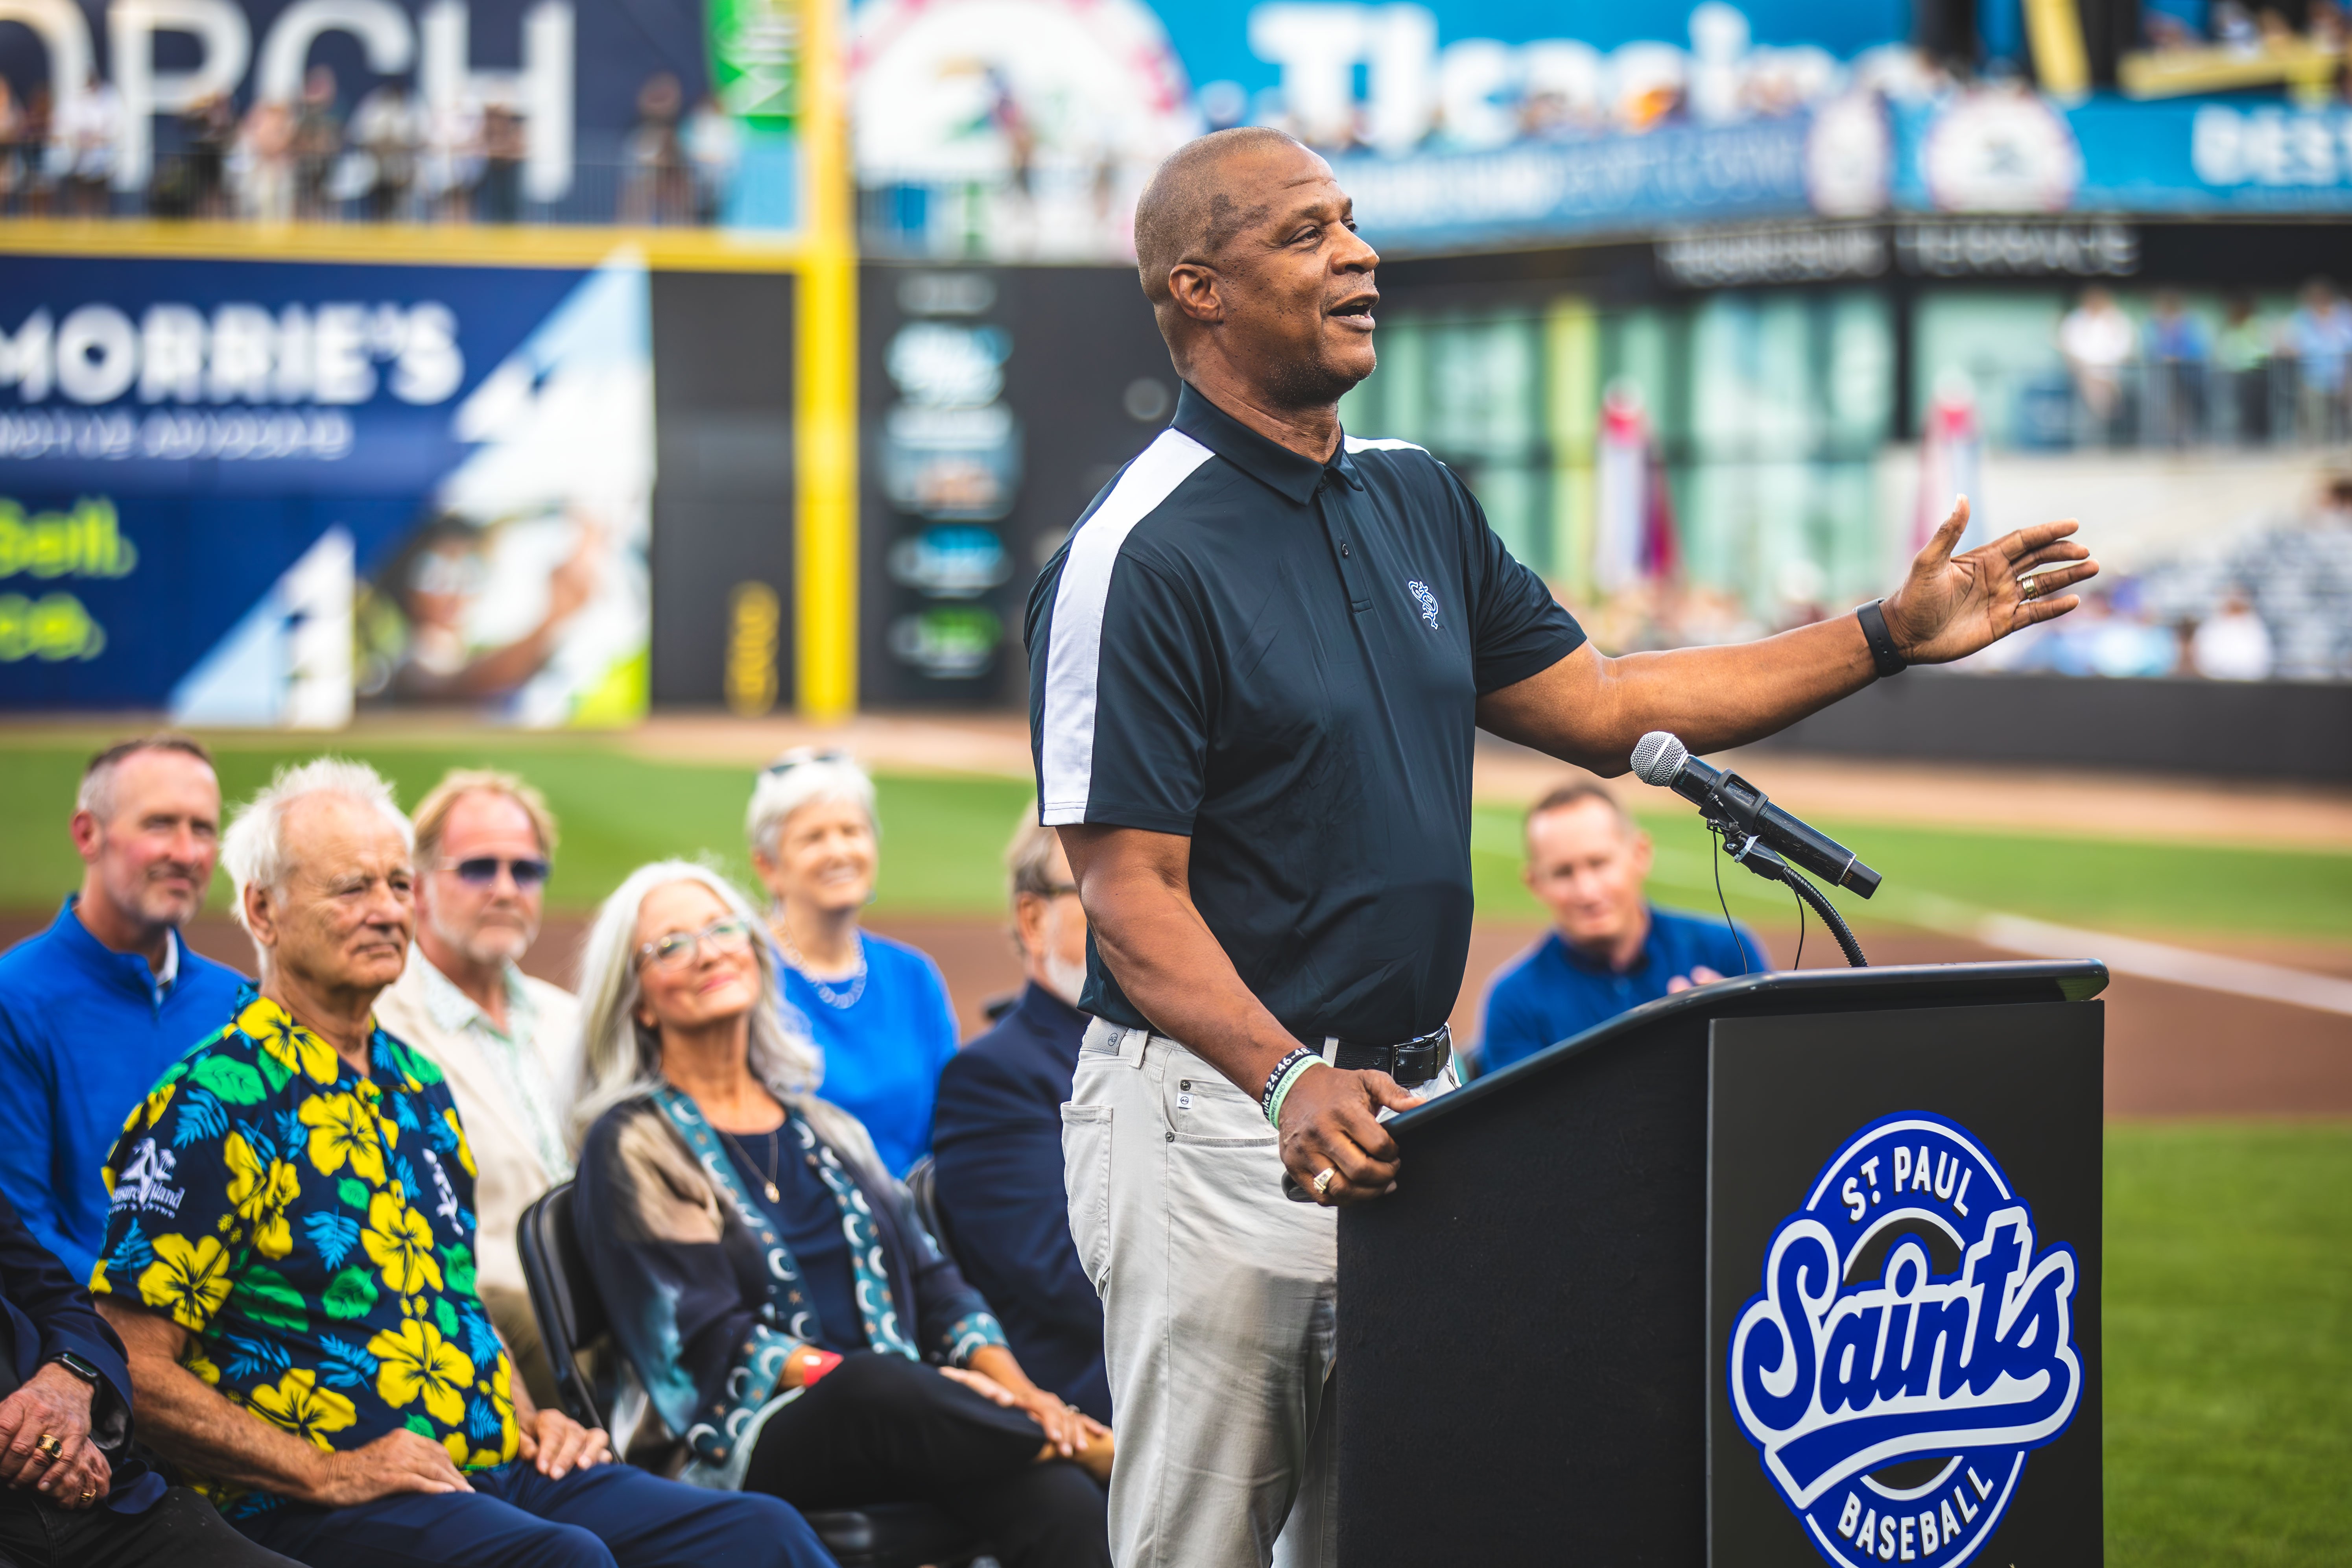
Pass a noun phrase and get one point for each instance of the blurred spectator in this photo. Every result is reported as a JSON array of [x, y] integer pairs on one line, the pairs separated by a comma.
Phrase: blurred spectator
[[997, 1137], [2233, 644], [36, 165], [877, 1008], [208, 131], [508, 1044], [2177, 356], [2126, 640], [318, 143], [2242, 353], [2318, 337], [503, 149], [94, 1008], [389, 128], [2098, 341], [93, 1501], [712, 149], [12, 146], [451, 164], [264, 157], [655, 188], [770, 1284], [1609, 948], [88, 133]]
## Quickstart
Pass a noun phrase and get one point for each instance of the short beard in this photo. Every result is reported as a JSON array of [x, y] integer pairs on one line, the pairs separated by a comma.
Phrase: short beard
[[474, 948], [1063, 978]]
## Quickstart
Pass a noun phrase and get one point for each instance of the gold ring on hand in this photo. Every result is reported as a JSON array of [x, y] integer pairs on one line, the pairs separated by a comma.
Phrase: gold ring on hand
[[47, 1446], [1323, 1182], [87, 1493], [2029, 588]]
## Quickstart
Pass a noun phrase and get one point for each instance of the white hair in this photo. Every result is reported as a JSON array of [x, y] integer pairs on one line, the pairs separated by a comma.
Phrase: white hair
[[797, 779], [254, 851], [621, 1058]]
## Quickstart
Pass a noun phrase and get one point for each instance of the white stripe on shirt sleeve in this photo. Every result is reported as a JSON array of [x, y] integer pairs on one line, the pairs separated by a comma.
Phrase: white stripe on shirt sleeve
[[1074, 641], [1389, 443]]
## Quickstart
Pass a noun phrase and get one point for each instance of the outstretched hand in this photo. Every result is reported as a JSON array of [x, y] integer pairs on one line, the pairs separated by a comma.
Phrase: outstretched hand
[[1951, 605]]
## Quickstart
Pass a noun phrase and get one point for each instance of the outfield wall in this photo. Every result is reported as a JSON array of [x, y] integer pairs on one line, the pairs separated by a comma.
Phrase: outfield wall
[[2268, 730]]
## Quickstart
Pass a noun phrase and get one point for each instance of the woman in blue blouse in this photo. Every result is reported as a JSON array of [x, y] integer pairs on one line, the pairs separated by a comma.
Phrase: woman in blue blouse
[[879, 1009], [790, 1322]]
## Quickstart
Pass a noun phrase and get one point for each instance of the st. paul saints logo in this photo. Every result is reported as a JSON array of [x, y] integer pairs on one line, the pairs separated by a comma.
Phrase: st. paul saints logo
[[1893, 1406]]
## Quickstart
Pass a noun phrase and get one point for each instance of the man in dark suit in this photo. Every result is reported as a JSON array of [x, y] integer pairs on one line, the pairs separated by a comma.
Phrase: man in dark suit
[[73, 1493], [996, 1136]]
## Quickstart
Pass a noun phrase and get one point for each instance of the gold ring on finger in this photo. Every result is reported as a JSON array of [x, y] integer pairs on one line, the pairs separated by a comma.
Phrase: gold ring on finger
[[47, 1446], [1323, 1182], [2029, 588], [87, 1493]]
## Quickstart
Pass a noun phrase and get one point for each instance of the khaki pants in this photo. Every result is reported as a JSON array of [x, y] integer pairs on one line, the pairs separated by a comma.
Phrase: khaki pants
[[1220, 1299]]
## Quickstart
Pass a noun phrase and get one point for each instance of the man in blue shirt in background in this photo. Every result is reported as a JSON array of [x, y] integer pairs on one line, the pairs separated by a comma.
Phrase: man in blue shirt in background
[[1610, 948], [94, 1008], [996, 1139]]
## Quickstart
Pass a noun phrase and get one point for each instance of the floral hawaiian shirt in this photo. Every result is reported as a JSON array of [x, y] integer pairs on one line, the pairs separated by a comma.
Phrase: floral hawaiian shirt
[[314, 1229]]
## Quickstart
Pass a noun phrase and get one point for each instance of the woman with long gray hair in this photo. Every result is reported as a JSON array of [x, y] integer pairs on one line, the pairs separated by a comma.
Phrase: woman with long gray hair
[[794, 1326]]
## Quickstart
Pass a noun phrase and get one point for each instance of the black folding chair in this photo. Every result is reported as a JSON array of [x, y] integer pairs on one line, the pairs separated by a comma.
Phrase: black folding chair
[[572, 1317]]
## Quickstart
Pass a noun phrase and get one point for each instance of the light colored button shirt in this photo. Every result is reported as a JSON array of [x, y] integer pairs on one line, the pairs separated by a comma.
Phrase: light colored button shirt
[[512, 1088]]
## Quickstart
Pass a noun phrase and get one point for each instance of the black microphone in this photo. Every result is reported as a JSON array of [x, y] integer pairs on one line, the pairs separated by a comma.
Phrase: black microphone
[[1660, 759]]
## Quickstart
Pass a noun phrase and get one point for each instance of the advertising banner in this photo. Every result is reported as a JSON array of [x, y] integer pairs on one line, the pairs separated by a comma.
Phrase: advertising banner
[[1026, 128], [255, 493], [498, 110]]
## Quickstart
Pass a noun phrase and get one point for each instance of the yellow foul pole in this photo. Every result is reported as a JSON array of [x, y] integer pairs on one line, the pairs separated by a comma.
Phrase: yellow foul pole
[[825, 532]]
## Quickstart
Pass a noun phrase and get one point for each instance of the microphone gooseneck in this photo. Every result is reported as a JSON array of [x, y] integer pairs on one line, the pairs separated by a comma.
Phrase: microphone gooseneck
[[1761, 837]]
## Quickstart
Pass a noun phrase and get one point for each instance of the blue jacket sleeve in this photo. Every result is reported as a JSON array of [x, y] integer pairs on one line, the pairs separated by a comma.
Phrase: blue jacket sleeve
[[28, 1176], [38, 1286], [1003, 1200]]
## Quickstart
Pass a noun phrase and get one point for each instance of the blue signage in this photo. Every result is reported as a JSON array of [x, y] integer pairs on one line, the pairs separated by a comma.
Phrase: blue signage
[[1893, 1403]]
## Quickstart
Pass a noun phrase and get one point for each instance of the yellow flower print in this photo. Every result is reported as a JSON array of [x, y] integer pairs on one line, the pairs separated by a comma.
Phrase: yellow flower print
[[417, 1363], [261, 1190], [342, 1130], [465, 1150], [297, 1049], [303, 1408], [195, 1361], [157, 1099], [399, 1241], [190, 1280]]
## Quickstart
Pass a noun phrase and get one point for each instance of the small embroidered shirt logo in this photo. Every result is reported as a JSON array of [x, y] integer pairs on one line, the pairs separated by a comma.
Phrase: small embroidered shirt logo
[[1426, 600]]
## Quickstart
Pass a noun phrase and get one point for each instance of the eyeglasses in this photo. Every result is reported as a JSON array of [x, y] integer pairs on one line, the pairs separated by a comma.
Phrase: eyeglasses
[[1052, 890], [801, 755], [482, 871], [728, 934]]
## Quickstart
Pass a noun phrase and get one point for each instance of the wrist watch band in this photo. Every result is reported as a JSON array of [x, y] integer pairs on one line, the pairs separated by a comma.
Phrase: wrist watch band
[[78, 1366], [1881, 640]]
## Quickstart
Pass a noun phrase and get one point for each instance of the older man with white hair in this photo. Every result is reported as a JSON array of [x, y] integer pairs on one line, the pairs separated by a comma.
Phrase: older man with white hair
[[289, 1257], [509, 1044]]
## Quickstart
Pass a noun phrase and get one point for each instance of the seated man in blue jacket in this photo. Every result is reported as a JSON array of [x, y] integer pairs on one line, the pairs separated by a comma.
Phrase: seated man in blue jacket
[[1609, 948], [996, 1137], [94, 1008], [71, 1489]]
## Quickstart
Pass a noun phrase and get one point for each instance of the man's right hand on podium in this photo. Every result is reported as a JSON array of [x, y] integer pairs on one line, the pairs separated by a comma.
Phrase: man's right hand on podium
[[1330, 1121]]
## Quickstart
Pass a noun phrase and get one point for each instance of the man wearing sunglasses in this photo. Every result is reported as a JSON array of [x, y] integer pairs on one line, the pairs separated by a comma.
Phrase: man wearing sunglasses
[[509, 1043]]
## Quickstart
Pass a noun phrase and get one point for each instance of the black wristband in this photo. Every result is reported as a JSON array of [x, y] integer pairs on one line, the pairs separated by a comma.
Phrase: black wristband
[[1881, 640]]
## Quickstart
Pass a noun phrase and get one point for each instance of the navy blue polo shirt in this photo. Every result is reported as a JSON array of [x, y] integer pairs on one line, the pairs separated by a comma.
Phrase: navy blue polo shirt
[[1556, 992], [1282, 659]]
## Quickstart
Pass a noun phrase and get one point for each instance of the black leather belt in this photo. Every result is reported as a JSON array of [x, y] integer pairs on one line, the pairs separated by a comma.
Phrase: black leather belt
[[1411, 1063]]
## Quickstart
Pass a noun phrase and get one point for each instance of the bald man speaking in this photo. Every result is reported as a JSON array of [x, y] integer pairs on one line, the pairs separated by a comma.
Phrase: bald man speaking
[[1255, 673]]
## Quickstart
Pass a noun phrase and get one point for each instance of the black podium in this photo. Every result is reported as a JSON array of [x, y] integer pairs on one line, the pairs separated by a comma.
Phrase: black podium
[[1785, 1269]]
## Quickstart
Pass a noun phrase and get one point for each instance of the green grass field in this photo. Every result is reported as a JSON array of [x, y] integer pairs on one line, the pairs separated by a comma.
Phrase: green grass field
[[2229, 1285], [2229, 1345], [943, 837]]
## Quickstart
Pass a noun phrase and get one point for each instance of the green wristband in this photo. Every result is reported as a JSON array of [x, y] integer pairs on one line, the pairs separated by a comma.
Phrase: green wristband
[[1273, 1104]]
